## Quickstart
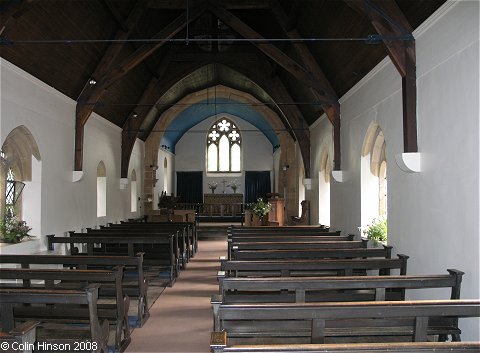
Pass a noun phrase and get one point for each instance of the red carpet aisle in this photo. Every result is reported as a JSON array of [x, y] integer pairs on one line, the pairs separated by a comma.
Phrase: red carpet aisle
[[181, 320]]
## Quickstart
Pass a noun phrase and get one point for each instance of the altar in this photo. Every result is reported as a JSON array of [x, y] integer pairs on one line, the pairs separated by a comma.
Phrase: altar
[[222, 207], [222, 199]]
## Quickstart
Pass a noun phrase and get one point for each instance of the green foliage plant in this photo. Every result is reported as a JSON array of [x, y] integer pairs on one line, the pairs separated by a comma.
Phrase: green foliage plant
[[13, 230], [377, 231], [261, 207]]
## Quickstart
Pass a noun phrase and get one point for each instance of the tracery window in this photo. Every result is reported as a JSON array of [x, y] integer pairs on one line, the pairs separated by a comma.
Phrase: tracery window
[[224, 147]]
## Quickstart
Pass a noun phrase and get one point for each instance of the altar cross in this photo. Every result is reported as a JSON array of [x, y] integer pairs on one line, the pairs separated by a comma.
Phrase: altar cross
[[224, 182]]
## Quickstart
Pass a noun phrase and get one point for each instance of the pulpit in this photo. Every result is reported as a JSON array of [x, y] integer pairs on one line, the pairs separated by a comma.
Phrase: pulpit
[[276, 214]]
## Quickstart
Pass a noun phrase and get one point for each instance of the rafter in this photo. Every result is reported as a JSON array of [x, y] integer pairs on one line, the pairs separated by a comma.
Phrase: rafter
[[388, 20], [86, 99], [229, 4], [117, 72], [332, 110], [13, 10], [270, 50], [116, 15], [137, 115]]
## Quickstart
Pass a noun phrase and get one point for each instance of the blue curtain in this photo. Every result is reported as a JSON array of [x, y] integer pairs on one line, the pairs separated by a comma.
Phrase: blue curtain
[[257, 184], [190, 187]]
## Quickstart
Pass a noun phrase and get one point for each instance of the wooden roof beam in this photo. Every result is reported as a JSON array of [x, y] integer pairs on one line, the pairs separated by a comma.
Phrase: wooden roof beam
[[13, 10], [270, 50], [332, 110], [388, 20], [116, 15], [110, 76], [229, 4]]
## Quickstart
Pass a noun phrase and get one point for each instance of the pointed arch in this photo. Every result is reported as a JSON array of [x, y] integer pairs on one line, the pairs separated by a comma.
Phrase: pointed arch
[[24, 175]]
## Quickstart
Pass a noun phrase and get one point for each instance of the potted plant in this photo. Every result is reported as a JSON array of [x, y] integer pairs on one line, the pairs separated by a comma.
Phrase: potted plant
[[13, 230], [376, 231], [260, 209]]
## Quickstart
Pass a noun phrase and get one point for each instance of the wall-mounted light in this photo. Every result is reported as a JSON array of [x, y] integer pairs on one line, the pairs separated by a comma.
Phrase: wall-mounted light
[[134, 114], [286, 166], [92, 82]]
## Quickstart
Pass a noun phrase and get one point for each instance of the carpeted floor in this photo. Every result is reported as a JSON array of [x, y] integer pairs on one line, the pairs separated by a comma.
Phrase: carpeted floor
[[181, 320]]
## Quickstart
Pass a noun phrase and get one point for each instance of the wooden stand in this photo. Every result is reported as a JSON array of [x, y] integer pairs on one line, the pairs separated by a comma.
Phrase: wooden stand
[[276, 214]]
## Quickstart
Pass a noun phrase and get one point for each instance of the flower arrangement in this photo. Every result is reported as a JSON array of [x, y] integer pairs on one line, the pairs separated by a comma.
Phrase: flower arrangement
[[234, 184], [212, 186], [261, 207], [376, 231], [13, 230]]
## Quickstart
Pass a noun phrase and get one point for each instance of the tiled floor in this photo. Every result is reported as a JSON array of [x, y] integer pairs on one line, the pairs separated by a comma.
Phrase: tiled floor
[[181, 320]]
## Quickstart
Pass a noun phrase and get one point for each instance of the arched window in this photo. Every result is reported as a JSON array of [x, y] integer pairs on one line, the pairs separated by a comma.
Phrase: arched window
[[165, 175], [324, 188], [21, 176], [374, 175], [224, 147], [101, 190], [133, 191]]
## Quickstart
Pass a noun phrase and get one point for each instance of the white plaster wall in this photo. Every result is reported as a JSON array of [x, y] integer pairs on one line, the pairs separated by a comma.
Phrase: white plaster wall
[[433, 215], [50, 117], [276, 169], [257, 153]]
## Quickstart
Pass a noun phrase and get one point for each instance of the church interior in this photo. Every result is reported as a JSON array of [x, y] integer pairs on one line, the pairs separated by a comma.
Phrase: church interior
[[172, 129]]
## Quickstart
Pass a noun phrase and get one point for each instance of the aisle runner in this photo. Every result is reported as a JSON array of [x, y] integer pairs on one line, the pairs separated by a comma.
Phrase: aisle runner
[[181, 320]]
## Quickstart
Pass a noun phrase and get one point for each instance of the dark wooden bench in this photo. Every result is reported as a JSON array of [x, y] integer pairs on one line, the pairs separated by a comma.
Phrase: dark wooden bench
[[294, 267], [189, 227], [64, 326], [97, 246], [136, 289], [314, 252], [20, 339], [219, 344], [291, 242], [322, 289], [300, 230], [158, 250], [116, 313], [343, 322]]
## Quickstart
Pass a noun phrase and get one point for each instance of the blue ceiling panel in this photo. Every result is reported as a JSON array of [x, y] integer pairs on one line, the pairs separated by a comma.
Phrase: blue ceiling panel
[[201, 111]]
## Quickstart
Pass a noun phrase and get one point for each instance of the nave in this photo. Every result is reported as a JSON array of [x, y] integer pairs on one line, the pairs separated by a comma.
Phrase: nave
[[181, 319]]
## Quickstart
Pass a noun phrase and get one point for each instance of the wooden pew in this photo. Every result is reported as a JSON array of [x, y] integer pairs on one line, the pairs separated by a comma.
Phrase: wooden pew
[[63, 303], [343, 322], [117, 313], [132, 245], [292, 242], [219, 344], [314, 252], [283, 230], [20, 339], [189, 227], [321, 289], [158, 250], [284, 268], [136, 290]]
